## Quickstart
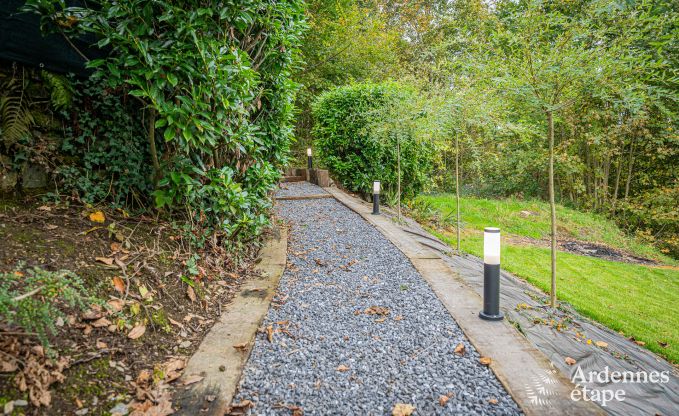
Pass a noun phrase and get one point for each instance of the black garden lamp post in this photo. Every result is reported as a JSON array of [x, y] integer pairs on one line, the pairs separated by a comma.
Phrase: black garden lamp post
[[491, 275], [376, 198]]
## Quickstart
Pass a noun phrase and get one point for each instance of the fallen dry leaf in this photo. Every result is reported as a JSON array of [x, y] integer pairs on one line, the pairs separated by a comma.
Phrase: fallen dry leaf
[[97, 216], [240, 408], [161, 407], [8, 366], [118, 284], [137, 331], [570, 361], [640, 343], [459, 349], [44, 208], [380, 320], [100, 323], [191, 293], [143, 378], [116, 305], [601, 344], [402, 409], [106, 260], [485, 360], [492, 401], [192, 379], [269, 333], [173, 322], [241, 347], [663, 344], [377, 310], [91, 314], [443, 400], [342, 368], [172, 369], [101, 345], [115, 247]]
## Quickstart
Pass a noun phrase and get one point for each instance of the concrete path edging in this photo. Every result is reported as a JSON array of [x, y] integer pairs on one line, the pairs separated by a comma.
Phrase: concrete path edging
[[520, 367], [217, 360]]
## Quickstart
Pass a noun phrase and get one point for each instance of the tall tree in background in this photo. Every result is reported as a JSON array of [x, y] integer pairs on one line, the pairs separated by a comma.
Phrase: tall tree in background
[[546, 57], [347, 41]]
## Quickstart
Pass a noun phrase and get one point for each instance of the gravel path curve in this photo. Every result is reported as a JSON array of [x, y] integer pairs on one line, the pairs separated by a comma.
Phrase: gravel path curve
[[355, 329]]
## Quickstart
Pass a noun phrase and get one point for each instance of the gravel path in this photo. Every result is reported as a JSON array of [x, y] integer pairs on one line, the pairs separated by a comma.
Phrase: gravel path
[[299, 189], [328, 356]]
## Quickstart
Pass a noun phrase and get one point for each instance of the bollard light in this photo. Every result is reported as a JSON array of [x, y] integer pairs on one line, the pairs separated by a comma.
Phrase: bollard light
[[308, 158], [491, 275], [376, 197]]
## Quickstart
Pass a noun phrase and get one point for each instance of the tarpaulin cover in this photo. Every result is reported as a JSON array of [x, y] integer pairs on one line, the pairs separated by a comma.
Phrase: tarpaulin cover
[[621, 354], [22, 41]]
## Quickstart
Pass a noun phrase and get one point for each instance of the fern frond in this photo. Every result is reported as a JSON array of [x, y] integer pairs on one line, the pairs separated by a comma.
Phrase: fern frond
[[16, 118], [61, 90]]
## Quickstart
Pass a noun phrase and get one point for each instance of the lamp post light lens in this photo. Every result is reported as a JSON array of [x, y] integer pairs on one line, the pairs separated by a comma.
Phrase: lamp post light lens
[[308, 158], [376, 187], [308, 151], [491, 245], [491, 275]]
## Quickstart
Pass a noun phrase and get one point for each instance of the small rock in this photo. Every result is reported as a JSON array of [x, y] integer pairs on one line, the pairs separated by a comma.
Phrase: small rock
[[119, 410], [82, 411], [9, 407], [185, 344], [20, 403]]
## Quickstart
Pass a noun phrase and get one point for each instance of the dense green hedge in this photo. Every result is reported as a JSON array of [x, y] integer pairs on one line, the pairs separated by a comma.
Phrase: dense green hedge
[[215, 76], [356, 132]]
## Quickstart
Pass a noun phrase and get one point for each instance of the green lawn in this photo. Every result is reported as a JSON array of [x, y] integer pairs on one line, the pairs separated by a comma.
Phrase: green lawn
[[637, 300]]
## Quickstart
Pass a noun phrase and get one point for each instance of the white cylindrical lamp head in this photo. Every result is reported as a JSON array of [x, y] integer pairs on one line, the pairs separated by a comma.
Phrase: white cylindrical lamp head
[[491, 245], [376, 187], [308, 151]]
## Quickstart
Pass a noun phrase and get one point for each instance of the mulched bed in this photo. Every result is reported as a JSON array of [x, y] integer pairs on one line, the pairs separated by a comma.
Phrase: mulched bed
[[102, 366]]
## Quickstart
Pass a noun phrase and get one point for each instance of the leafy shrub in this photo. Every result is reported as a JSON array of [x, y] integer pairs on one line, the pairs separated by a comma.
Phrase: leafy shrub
[[358, 130], [216, 79], [103, 154], [33, 300], [216, 201], [654, 215]]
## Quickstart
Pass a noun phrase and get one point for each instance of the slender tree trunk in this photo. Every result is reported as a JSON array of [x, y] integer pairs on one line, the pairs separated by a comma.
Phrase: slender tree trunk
[[457, 187], [616, 186], [630, 168], [152, 144], [552, 205], [398, 161], [588, 171], [607, 172], [596, 183]]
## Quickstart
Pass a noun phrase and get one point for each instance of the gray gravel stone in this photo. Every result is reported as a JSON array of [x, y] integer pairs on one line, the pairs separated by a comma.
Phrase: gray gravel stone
[[339, 266], [299, 189]]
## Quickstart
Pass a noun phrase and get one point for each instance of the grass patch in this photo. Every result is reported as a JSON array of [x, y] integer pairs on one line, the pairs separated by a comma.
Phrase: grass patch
[[478, 213], [633, 299]]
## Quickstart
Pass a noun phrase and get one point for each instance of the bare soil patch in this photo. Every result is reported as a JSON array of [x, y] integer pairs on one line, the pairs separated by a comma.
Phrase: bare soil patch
[[585, 248], [108, 362]]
